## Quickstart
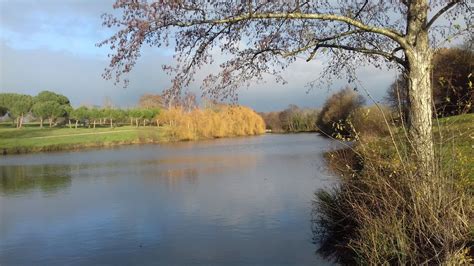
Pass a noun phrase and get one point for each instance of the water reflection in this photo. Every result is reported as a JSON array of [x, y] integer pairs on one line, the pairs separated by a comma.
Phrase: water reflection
[[232, 201], [19, 179]]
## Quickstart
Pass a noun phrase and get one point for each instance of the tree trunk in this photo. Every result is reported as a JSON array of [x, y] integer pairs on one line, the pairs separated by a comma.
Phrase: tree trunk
[[41, 122], [131, 121], [76, 123], [94, 123], [136, 122], [21, 121], [419, 89], [420, 112], [70, 125], [111, 123], [50, 122]]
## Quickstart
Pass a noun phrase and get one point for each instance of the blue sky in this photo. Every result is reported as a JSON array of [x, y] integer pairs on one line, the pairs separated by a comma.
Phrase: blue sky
[[50, 45]]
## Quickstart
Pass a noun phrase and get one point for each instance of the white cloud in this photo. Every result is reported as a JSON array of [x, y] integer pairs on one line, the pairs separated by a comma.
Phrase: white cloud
[[51, 45]]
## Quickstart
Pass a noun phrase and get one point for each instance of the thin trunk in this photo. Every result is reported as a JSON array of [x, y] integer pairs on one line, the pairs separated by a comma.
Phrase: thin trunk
[[94, 123], [76, 123], [111, 123], [157, 123], [131, 121], [41, 122], [419, 89], [136, 122], [70, 125], [21, 121], [50, 120]]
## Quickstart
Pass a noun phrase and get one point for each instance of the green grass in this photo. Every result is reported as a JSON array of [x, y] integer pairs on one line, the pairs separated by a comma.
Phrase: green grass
[[31, 138], [454, 147], [455, 140]]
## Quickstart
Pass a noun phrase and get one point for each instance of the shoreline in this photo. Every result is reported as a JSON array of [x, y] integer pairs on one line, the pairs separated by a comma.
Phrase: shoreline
[[99, 145], [72, 147], [157, 137]]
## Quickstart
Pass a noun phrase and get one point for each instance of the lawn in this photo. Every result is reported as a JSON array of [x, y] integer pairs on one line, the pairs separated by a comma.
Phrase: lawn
[[31, 138], [455, 139]]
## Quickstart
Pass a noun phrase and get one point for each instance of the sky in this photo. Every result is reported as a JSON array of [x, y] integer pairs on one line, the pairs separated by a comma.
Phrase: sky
[[50, 45]]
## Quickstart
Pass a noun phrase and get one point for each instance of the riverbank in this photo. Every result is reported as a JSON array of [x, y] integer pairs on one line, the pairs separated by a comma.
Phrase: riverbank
[[454, 143], [382, 212], [32, 139], [35, 139]]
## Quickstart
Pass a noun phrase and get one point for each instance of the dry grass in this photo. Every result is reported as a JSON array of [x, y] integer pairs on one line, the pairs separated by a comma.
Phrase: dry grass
[[383, 213]]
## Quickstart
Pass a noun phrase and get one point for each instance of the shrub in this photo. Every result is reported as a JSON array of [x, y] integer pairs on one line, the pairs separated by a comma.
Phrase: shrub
[[370, 121], [383, 213], [332, 120]]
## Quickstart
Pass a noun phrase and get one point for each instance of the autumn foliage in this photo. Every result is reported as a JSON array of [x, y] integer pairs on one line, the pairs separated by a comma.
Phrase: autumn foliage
[[217, 122]]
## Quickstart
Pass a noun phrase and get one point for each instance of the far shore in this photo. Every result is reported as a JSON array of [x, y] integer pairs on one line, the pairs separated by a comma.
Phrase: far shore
[[32, 139]]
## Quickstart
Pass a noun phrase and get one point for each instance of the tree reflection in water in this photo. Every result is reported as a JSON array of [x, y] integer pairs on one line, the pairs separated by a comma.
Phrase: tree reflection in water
[[18, 179]]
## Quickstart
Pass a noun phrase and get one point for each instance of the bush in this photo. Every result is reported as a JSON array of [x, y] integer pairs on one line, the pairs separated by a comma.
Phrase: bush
[[370, 121], [383, 213], [332, 120]]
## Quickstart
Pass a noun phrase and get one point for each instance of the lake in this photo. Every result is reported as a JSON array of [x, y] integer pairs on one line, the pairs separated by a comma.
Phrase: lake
[[236, 201]]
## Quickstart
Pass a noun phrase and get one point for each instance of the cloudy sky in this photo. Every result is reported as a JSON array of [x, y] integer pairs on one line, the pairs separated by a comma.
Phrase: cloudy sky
[[50, 45]]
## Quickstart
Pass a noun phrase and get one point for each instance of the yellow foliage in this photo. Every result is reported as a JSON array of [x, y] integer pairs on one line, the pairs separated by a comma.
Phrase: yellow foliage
[[224, 121]]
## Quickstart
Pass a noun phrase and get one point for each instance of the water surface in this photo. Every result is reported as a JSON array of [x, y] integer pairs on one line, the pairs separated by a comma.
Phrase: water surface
[[228, 201]]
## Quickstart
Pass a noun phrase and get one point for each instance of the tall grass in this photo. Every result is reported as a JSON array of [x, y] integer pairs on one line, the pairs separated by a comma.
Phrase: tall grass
[[382, 212], [218, 122]]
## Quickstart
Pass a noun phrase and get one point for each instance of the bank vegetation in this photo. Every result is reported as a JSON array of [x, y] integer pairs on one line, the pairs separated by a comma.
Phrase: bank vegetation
[[382, 212], [151, 121]]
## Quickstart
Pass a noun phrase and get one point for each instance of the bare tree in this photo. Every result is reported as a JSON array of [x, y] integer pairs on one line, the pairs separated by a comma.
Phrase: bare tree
[[151, 101], [266, 36], [189, 102]]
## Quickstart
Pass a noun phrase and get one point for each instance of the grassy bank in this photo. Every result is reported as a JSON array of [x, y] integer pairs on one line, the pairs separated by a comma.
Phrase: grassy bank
[[454, 144], [383, 213], [34, 139]]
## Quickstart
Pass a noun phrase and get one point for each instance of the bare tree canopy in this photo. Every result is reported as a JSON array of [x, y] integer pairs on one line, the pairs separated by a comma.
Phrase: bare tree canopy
[[265, 37], [150, 101]]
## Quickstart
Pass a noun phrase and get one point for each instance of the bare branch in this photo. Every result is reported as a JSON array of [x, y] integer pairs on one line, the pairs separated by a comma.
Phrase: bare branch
[[343, 34], [362, 8], [392, 34], [441, 12], [388, 56]]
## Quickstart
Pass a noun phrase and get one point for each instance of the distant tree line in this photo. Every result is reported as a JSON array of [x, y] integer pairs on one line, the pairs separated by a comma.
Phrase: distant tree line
[[292, 119], [182, 116], [56, 109], [46, 105]]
